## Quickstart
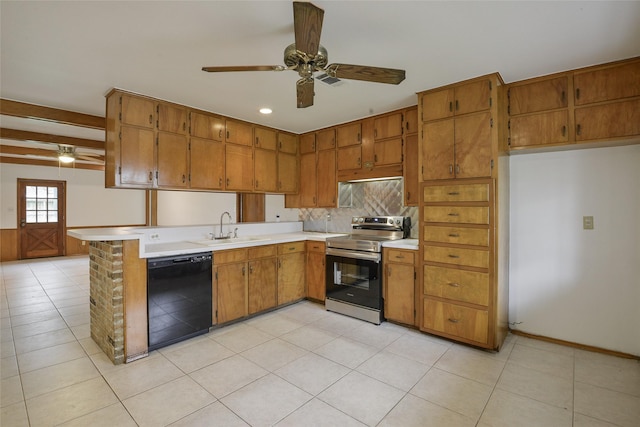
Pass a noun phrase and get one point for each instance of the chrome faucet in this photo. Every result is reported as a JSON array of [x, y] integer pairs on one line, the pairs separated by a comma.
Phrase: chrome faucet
[[221, 236]]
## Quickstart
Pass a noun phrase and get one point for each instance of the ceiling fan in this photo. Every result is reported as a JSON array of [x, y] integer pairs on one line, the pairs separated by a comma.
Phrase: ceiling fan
[[307, 56], [68, 154]]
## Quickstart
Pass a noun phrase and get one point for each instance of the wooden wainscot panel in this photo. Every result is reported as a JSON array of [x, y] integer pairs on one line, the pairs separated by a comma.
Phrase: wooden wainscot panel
[[8, 244]]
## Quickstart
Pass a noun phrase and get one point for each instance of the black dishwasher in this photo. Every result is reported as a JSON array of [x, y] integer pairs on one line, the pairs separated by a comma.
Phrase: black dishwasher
[[179, 298]]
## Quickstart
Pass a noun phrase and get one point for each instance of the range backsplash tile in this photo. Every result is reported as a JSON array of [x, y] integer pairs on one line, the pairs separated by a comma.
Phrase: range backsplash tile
[[361, 199]]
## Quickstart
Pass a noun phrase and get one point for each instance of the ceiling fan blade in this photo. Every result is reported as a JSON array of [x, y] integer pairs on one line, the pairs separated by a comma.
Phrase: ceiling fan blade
[[304, 89], [366, 73], [244, 68], [307, 22]]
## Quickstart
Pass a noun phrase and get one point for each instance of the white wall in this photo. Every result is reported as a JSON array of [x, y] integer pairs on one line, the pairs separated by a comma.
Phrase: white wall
[[199, 208], [568, 283], [88, 202]]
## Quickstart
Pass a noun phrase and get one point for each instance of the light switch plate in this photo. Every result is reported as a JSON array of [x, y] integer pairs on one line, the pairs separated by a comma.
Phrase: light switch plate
[[587, 222]]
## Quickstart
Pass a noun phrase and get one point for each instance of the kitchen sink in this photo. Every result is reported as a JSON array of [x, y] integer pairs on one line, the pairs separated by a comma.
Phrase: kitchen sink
[[220, 242]]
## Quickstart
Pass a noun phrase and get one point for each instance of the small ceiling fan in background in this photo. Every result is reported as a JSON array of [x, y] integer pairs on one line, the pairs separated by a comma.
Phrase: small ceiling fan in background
[[307, 56], [68, 154]]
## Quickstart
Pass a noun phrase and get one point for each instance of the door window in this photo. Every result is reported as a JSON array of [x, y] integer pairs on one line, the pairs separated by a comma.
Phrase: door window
[[42, 204]]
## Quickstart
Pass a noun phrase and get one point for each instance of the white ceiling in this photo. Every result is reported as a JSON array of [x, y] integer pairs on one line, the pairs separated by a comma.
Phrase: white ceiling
[[68, 55]]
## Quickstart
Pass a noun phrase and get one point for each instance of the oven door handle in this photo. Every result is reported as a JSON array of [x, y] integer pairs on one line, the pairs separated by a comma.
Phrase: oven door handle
[[369, 256]]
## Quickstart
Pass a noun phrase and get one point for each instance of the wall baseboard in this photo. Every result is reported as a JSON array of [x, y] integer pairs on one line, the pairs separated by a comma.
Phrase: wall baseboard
[[575, 345]]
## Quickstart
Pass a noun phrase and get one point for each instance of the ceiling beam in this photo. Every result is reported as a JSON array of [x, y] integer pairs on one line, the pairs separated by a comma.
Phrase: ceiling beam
[[25, 135], [37, 112], [35, 162], [24, 151]]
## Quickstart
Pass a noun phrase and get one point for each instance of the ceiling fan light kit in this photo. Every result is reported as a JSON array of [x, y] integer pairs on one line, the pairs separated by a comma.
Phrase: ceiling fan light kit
[[66, 153], [307, 56]]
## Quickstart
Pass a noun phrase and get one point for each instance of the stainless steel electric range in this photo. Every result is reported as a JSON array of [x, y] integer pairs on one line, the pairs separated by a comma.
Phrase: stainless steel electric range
[[354, 266]]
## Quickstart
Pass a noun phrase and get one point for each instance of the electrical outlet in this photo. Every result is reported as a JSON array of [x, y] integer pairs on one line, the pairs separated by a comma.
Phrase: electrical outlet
[[587, 222]]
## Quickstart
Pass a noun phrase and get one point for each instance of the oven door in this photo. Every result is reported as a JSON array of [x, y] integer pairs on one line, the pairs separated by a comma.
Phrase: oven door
[[354, 277]]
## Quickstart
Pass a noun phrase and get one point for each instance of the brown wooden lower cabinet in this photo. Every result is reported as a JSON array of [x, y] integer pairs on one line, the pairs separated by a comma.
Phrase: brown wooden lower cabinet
[[456, 320], [291, 272], [399, 285], [262, 278], [316, 262]]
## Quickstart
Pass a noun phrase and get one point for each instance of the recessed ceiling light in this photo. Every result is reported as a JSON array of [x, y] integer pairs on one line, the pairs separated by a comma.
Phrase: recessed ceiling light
[[266, 110]]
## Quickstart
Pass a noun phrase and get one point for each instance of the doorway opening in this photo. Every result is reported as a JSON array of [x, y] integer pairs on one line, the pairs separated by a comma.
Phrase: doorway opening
[[42, 218]]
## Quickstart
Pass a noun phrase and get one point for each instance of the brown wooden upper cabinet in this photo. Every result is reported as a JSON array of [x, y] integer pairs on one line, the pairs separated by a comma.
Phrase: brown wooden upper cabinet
[[350, 134], [308, 143], [207, 126], [136, 111], [287, 143], [172, 118], [387, 126], [265, 138], [326, 139], [411, 124], [614, 82], [463, 99], [540, 95], [239, 132]]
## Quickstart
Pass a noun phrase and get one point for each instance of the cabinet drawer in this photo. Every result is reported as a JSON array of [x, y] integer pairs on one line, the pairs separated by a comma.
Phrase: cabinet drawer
[[456, 193], [456, 320], [231, 255], [457, 256], [459, 235], [287, 248], [262, 251], [316, 247], [397, 255], [457, 214], [460, 285]]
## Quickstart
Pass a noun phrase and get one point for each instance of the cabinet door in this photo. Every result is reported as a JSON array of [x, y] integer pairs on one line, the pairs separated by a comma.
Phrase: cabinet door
[[349, 134], [266, 170], [327, 185], [326, 139], [540, 129], [287, 173], [617, 82], [472, 97], [316, 285], [207, 126], [239, 167], [207, 164], [410, 172], [473, 146], [308, 180], [399, 293], [137, 111], [231, 285], [411, 120], [172, 118], [349, 158], [388, 152], [239, 133], [173, 160], [265, 138], [308, 143], [291, 277], [136, 156], [437, 150], [615, 120], [387, 126], [437, 105], [262, 284], [287, 143], [541, 95]]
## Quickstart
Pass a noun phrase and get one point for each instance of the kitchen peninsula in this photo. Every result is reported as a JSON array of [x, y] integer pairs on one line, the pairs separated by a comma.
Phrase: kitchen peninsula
[[118, 273]]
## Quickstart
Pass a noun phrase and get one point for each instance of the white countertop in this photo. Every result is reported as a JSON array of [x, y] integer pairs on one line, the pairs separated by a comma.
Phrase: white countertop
[[402, 244]]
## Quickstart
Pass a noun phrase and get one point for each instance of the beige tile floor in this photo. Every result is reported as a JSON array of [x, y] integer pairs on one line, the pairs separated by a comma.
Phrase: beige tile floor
[[298, 366]]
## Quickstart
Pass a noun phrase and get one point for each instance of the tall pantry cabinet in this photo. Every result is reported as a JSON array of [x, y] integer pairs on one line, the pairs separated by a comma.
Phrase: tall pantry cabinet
[[464, 176]]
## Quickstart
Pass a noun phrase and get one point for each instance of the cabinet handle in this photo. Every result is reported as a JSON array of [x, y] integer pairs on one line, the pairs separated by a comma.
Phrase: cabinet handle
[[227, 134], [375, 133], [454, 235], [408, 195], [407, 125], [562, 96], [457, 169], [243, 270], [578, 129], [358, 161], [184, 125], [150, 175], [375, 158], [220, 133], [578, 93], [251, 269], [457, 106], [279, 264], [564, 130], [450, 106], [453, 320], [227, 182], [358, 136], [257, 141], [219, 182], [454, 256], [453, 193], [450, 169], [453, 285], [313, 146], [150, 118], [257, 184], [453, 214], [184, 179]]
